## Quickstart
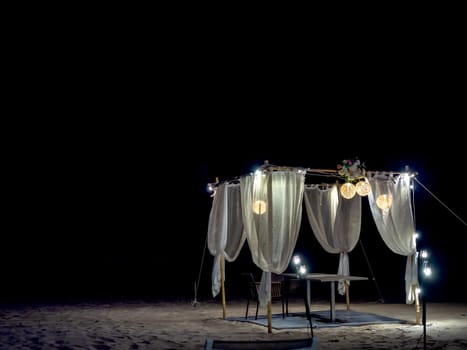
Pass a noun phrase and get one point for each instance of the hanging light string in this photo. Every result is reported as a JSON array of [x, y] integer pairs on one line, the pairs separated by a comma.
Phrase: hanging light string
[[452, 212]]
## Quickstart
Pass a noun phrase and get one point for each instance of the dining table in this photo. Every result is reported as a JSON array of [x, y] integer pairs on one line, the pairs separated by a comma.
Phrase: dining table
[[322, 277]]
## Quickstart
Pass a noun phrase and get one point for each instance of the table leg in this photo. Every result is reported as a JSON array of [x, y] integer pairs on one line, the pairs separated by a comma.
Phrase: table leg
[[307, 304], [308, 293], [333, 302]]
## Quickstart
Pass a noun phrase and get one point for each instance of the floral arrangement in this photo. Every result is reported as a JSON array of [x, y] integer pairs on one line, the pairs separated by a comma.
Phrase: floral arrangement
[[351, 169]]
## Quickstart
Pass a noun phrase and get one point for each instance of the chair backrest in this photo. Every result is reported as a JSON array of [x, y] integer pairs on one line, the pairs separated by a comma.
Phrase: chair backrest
[[251, 285], [277, 286], [276, 289]]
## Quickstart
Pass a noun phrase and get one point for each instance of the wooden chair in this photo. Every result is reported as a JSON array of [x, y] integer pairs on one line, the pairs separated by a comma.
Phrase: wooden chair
[[252, 287]]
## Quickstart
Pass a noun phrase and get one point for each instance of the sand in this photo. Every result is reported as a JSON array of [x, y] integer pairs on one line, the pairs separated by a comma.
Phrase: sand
[[182, 324]]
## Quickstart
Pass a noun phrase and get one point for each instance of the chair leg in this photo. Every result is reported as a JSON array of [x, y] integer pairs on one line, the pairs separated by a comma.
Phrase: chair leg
[[286, 297], [247, 305], [283, 309], [257, 306]]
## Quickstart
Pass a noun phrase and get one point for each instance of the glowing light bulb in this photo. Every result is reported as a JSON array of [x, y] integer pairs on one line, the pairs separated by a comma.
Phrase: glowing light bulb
[[348, 190], [384, 201], [259, 207], [363, 187], [427, 271], [296, 260]]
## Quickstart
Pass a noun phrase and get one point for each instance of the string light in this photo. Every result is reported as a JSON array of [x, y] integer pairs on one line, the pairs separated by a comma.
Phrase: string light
[[296, 260], [300, 268]]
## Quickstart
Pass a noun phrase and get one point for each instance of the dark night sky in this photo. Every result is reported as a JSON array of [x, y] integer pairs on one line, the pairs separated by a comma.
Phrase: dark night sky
[[107, 197], [126, 215]]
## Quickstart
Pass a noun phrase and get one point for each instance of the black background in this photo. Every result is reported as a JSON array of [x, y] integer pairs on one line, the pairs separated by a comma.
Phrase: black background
[[122, 213], [112, 141]]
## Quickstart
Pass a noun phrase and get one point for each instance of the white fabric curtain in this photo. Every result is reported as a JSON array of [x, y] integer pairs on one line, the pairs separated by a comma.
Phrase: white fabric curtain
[[272, 212], [396, 222], [225, 229], [335, 222]]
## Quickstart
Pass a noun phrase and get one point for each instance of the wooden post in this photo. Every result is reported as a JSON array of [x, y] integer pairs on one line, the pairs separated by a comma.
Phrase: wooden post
[[269, 307], [417, 304], [270, 316], [224, 311], [414, 289], [347, 299]]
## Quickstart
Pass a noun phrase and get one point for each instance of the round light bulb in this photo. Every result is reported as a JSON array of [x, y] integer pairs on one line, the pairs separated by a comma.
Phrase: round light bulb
[[259, 207], [384, 201], [363, 187], [348, 190]]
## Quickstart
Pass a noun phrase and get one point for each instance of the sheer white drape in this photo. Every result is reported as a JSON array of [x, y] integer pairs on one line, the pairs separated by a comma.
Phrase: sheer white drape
[[396, 223], [266, 210], [335, 222], [225, 229], [272, 212]]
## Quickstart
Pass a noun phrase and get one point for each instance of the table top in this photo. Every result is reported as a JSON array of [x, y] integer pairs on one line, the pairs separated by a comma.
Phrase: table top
[[325, 277]]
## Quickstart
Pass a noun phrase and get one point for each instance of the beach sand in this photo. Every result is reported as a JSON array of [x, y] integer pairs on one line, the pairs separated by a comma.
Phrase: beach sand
[[184, 324]]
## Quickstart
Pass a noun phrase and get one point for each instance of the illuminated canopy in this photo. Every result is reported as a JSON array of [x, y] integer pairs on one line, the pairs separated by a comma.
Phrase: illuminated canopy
[[265, 208]]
